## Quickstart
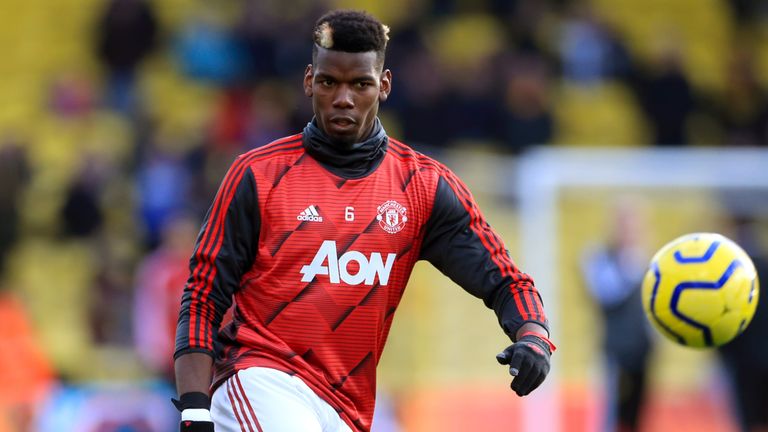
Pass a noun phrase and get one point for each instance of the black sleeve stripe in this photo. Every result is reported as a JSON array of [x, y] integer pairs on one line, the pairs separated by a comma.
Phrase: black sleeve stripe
[[523, 294], [526, 306], [204, 272]]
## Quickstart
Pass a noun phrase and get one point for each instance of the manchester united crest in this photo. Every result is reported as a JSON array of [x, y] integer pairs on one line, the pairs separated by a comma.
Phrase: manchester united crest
[[391, 216]]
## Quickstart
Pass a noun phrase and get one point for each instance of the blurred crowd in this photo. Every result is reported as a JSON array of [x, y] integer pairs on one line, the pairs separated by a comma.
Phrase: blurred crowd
[[107, 166]]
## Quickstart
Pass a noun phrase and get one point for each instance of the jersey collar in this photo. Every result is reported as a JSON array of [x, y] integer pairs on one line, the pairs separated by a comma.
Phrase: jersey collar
[[355, 161]]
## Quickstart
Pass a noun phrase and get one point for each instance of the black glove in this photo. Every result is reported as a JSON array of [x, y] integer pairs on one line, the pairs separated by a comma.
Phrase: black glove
[[201, 403], [528, 361]]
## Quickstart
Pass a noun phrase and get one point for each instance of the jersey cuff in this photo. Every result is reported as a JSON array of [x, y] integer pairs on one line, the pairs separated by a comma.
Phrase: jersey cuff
[[188, 350]]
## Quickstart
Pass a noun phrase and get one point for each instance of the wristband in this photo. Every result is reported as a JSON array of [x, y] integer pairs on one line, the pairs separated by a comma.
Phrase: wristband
[[192, 400], [196, 415], [549, 343]]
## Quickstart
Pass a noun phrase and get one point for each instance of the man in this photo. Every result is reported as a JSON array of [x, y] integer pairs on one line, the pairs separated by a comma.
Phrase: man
[[745, 358], [315, 236], [613, 272]]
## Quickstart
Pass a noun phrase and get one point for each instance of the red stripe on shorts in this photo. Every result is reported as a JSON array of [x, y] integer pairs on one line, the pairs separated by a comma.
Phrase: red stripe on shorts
[[235, 410], [247, 402]]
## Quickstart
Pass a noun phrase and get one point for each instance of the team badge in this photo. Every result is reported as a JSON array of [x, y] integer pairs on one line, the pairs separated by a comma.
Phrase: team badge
[[391, 216]]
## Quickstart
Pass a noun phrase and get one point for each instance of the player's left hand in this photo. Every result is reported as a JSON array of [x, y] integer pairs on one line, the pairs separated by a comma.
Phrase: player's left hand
[[528, 361]]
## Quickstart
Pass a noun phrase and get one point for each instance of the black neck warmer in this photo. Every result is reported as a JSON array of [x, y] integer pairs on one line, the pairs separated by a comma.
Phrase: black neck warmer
[[347, 161]]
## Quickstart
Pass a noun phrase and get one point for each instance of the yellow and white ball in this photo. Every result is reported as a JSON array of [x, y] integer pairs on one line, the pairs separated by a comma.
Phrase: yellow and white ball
[[701, 290]]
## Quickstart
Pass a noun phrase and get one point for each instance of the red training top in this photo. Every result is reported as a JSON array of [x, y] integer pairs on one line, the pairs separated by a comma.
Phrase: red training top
[[317, 261]]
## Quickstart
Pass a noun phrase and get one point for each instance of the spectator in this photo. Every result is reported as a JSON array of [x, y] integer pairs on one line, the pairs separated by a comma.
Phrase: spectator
[[25, 371], [590, 51], [81, 214], [744, 106], [209, 50], [14, 174], [667, 98], [164, 182], [422, 101], [528, 118], [126, 33]]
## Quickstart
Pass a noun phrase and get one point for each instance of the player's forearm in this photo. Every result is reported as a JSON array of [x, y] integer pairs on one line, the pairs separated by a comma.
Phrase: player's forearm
[[193, 373]]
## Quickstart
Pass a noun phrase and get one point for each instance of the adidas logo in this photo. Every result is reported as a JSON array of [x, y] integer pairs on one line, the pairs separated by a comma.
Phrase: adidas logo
[[310, 214]]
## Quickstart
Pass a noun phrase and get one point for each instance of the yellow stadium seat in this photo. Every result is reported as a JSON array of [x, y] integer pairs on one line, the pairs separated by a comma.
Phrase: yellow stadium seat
[[600, 115]]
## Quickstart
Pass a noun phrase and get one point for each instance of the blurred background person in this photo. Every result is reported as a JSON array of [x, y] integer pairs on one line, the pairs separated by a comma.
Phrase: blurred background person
[[14, 178], [613, 272], [666, 97], [746, 357], [126, 34], [743, 109], [159, 282], [26, 372]]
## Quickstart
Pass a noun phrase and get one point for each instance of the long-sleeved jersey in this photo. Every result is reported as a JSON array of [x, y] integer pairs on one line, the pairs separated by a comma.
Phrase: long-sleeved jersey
[[316, 256]]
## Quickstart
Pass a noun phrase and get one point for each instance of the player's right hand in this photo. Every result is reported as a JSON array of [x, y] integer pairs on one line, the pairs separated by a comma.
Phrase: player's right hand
[[528, 361], [195, 412]]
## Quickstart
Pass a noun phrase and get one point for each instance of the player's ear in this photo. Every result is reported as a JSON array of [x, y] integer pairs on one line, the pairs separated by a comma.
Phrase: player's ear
[[308, 80], [385, 86]]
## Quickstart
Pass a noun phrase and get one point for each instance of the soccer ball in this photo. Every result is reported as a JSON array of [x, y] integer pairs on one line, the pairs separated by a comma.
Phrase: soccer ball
[[701, 290]]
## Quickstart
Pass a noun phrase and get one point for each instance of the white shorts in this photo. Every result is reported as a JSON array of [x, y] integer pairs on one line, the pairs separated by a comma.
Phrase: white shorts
[[261, 399]]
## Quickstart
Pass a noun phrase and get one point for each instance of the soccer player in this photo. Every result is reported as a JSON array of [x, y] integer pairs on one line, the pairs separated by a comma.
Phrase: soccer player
[[315, 236]]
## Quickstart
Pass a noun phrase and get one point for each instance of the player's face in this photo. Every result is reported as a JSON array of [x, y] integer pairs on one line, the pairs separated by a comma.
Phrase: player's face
[[346, 89]]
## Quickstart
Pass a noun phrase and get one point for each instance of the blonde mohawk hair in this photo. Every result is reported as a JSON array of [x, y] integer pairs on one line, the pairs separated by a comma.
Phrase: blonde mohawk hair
[[324, 35], [351, 31]]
